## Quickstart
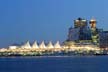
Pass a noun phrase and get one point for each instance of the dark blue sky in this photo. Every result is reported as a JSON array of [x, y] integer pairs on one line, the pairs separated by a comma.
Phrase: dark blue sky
[[49, 20]]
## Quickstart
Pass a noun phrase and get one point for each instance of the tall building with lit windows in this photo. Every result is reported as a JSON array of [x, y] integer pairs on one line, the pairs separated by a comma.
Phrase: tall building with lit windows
[[80, 23], [94, 31], [84, 31], [80, 31]]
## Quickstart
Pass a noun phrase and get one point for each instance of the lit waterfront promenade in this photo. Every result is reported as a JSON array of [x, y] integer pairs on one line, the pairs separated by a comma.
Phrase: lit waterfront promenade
[[56, 50]]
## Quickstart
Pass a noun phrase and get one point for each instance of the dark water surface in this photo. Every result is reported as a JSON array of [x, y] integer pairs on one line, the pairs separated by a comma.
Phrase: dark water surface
[[54, 64]]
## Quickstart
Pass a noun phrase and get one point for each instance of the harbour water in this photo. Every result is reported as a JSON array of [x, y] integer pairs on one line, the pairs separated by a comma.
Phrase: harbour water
[[54, 64]]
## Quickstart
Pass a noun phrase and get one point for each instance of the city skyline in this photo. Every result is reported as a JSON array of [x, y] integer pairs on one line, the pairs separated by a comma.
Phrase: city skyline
[[46, 20]]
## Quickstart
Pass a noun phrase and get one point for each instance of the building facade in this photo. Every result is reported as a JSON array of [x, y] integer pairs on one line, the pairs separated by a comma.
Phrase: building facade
[[84, 31], [80, 31], [103, 39], [73, 34]]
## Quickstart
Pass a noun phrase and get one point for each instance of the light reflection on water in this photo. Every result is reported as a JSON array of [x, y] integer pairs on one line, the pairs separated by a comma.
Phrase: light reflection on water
[[54, 64]]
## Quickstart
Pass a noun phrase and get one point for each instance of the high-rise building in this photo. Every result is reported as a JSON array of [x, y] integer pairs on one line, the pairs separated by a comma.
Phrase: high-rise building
[[93, 23], [80, 31], [80, 23], [84, 32], [94, 31]]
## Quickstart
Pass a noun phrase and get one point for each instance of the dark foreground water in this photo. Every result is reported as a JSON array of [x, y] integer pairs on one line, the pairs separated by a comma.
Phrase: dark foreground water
[[54, 64]]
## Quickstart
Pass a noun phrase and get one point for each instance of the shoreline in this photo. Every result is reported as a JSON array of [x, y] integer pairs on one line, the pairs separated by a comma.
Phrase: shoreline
[[56, 56]]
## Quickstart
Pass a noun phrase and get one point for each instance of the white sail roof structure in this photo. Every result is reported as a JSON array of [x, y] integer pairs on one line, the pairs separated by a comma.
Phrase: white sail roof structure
[[35, 45], [50, 45], [57, 45], [26, 45], [42, 45]]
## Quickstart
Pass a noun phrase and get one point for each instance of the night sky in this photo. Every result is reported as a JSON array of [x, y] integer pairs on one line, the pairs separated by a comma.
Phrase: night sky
[[48, 20]]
